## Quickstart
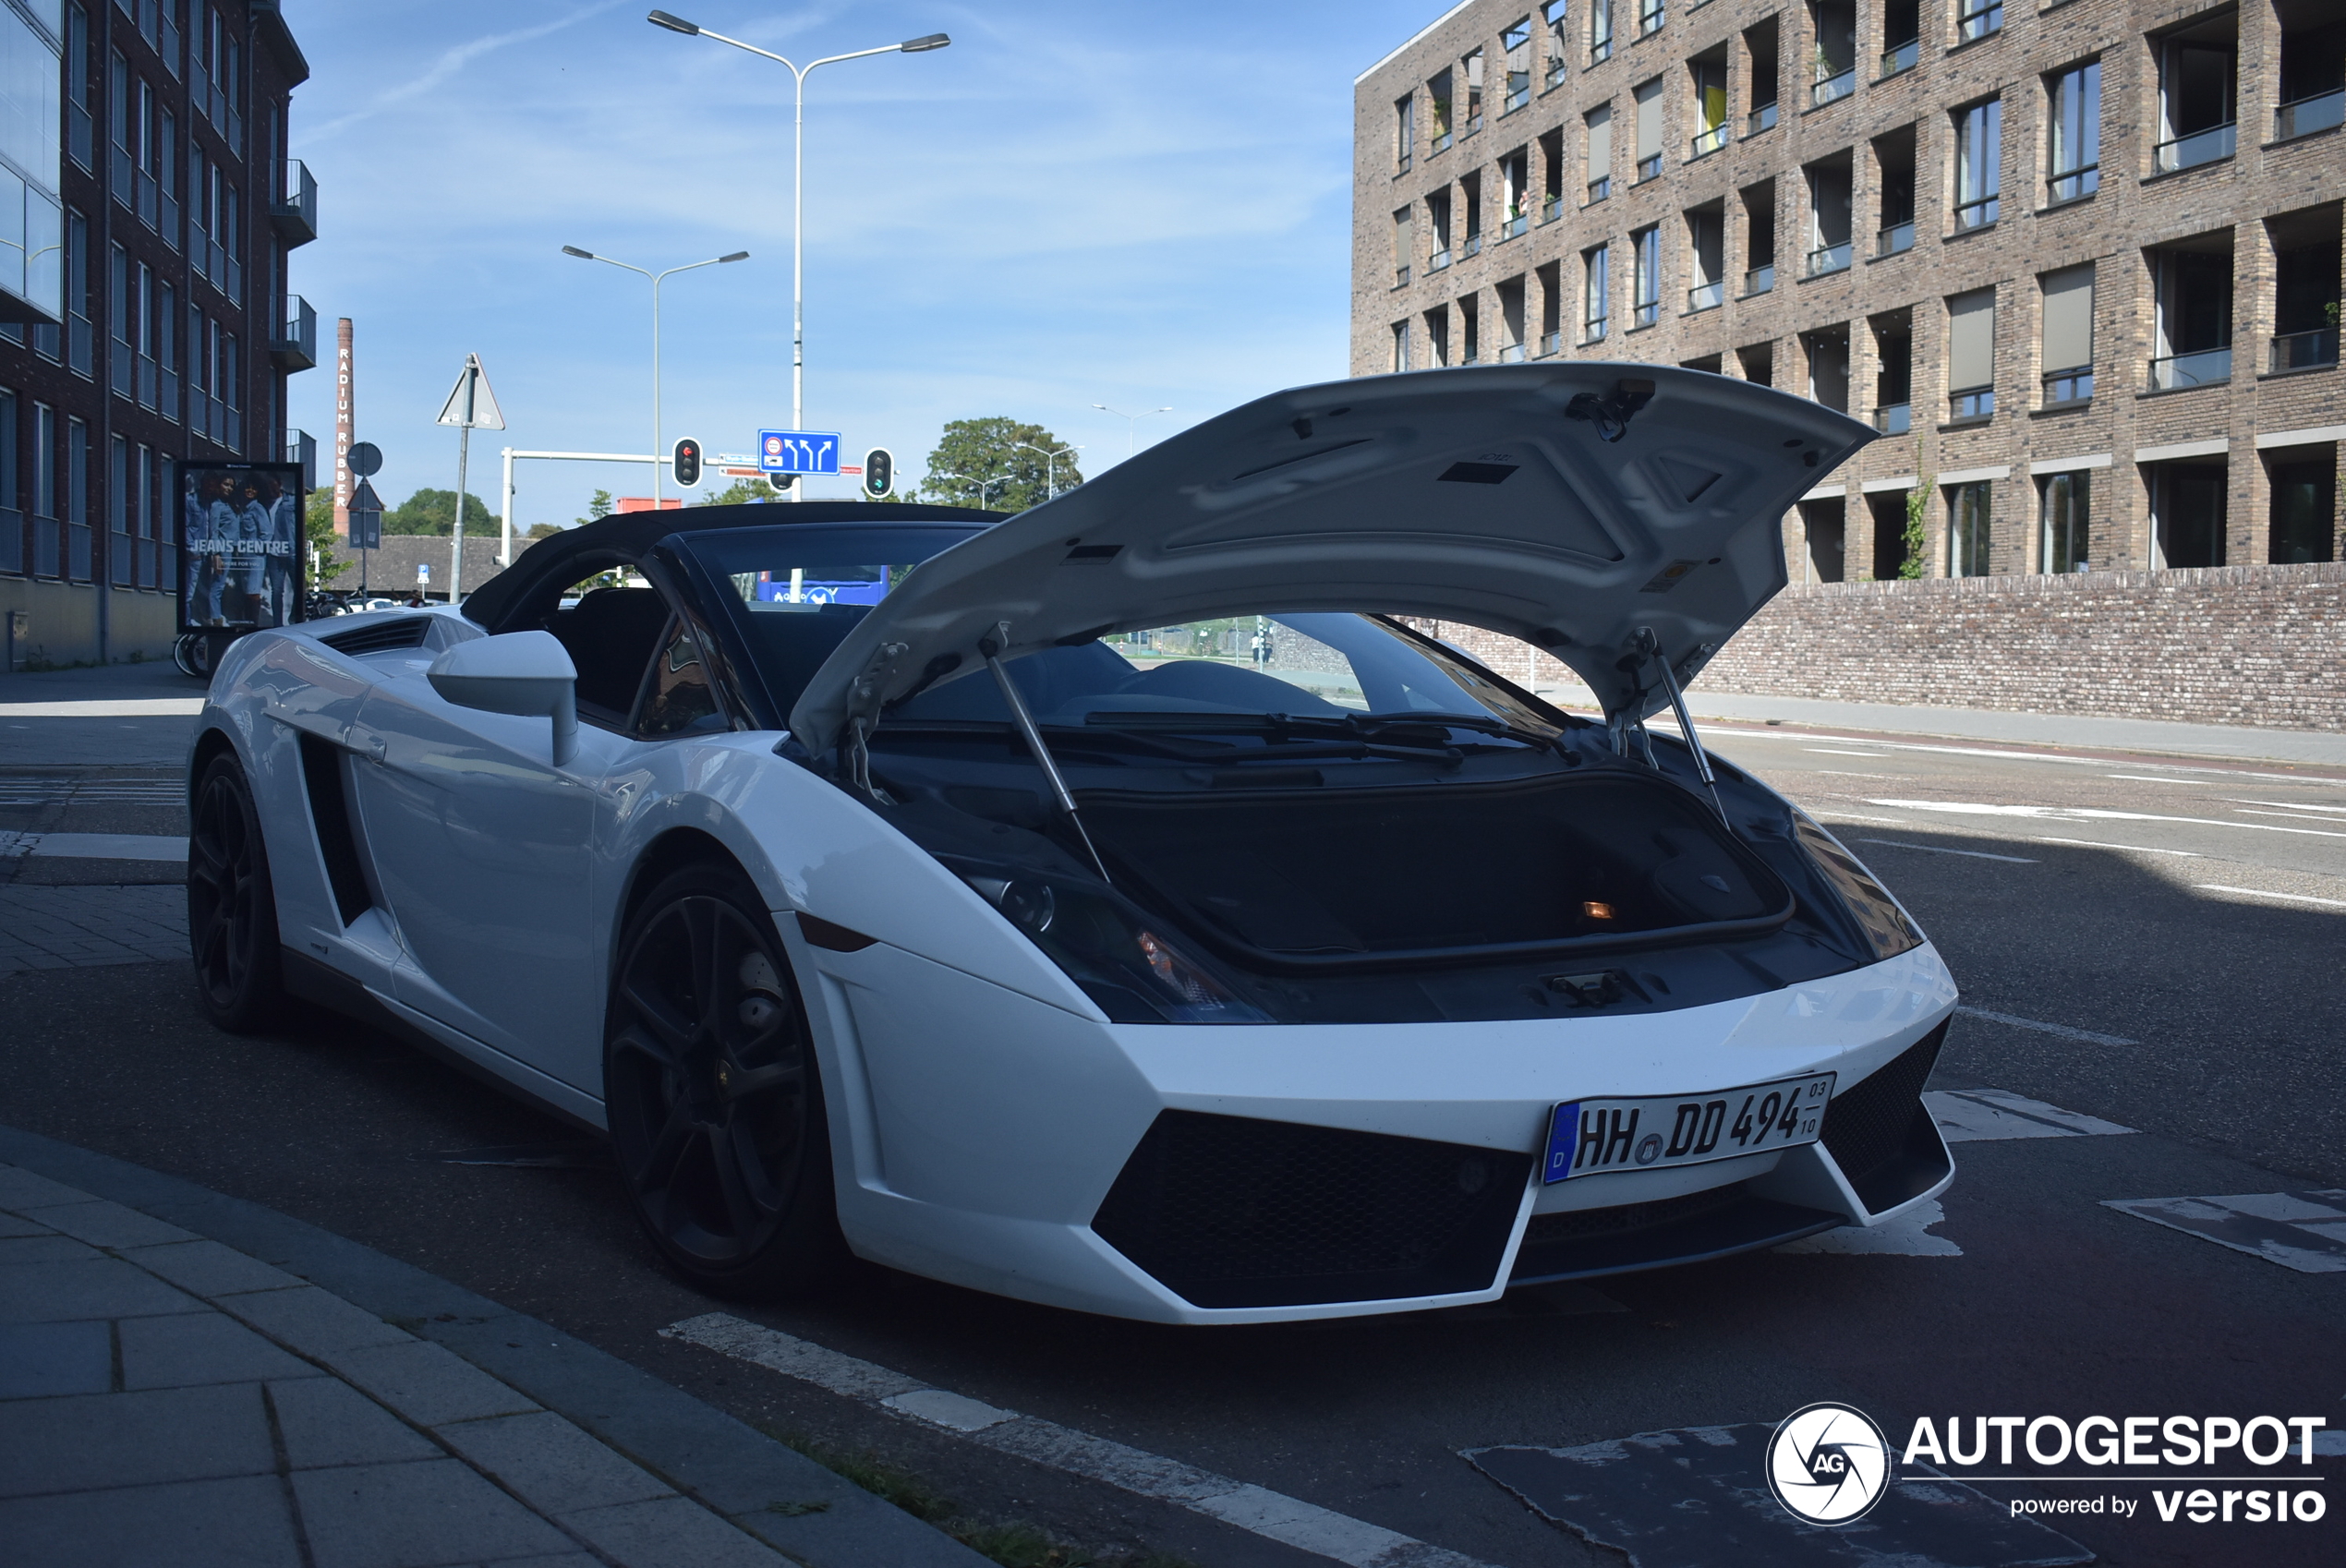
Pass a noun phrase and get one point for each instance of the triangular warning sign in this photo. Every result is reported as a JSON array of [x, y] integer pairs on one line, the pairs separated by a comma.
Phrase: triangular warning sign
[[364, 498], [470, 401]]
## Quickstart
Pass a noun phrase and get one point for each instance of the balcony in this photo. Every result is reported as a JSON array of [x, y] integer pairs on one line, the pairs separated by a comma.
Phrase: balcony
[[1401, 277], [294, 347], [1971, 405], [1707, 142], [1760, 120], [2073, 185], [1556, 68], [1894, 240], [1706, 297], [1599, 189], [2210, 145], [1976, 19], [1441, 143], [295, 213], [1900, 59], [1511, 353], [1970, 215], [2304, 351], [1517, 99], [1593, 331], [1436, 262], [1832, 88], [1473, 246], [1551, 342], [301, 447], [2064, 389], [2309, 115], [1474, 123], [1514, 227], [1401, 164], [1600, 51], [1649, 168], [1551, 208], [1827, 259], [1759, 280], [1894, 418], [2206, 367], [1644, 313]]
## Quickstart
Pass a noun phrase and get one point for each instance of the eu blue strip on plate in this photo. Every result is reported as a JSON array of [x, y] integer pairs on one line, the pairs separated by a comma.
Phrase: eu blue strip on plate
[[1564, 1128]]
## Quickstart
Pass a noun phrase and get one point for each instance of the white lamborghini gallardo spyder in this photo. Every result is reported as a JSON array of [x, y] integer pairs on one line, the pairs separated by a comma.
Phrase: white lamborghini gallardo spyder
[[1122, 905]]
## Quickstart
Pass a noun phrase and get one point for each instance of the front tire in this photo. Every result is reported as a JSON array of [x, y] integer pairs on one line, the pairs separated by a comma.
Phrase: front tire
[[232, 906], [712, 1094]]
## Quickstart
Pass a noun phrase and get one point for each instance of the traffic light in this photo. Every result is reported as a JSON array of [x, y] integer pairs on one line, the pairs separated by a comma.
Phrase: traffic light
[[879, 472], [686, 467]]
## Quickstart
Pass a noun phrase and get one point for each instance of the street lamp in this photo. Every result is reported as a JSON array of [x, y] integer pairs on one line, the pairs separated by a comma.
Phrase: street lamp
[[1051, 461], [1131, 421], [798, 186], [656, 278]]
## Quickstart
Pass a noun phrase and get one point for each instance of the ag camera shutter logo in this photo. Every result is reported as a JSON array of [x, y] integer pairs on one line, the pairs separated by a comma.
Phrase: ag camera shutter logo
[[1828, 1464]]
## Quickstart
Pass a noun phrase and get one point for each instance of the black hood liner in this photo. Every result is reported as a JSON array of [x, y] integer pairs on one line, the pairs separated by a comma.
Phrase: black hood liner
[[1321, 879]]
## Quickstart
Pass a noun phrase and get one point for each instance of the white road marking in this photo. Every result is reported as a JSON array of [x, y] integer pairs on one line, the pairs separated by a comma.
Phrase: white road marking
[[97, 846], [1848, 773], [2089, 1036], [1934, 850], [1257, 1508], [1905, 1236], [2293, 805], [1970, 1116], [1829, 752], [2306, 1230], [1840, 815], [2292, 815], [2260, 893], [2138, 849], [2147, 778], [2088, 814]]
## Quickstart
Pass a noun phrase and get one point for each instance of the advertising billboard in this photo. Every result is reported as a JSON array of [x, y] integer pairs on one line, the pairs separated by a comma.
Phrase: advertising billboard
[[241, 560]]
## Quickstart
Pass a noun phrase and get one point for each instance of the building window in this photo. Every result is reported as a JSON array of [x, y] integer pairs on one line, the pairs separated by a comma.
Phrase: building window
[[1517, 41], [2073, 123], [119, 486], [1709, 78], [1600, 30], [2068, 347], [1649, 97], [166, 347], [1824, 526], [1515, 193], [2313, 74], [80, 128], [1894, 377], [1971, 356], [1404, 244], [119, 165], [2068, 509], [1646, 303], [1901, 37], [118, 319], [1473, 64], [1979, 154], [2193, 314], [1829, 367], [1512, 347], [1437, 217], [1599, 121], [1830, 216], [2305, 289], [80, 351], [1706, 256], [1967, 529], [1760, 45], [2189, 511], [1400, 346], [1760, 227], [1648, 16], [1977, 18], [1559, 48], [1894, 157], [2305, 506], [1405, 132], [1834, 69], [2198, 70], [1469, 329], [1438, 99], [1551, 308], [1596, 287]]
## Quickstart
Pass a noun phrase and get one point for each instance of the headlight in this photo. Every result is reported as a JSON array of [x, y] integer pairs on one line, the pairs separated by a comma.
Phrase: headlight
[[1118, 954], [1876, 914]]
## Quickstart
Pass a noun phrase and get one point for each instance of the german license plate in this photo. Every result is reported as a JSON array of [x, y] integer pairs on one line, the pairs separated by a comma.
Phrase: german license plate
[[1591, 1137]]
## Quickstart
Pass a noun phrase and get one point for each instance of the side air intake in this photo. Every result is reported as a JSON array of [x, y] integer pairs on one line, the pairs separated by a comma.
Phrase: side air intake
[[330, 815], [383, 636]]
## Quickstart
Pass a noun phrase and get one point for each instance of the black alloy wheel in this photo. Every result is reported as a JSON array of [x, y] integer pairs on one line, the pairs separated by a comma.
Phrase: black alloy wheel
[[712, 1093], [231, 908]]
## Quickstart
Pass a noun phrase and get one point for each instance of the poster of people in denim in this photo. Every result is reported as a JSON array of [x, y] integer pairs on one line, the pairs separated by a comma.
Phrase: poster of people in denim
[[241, 552]]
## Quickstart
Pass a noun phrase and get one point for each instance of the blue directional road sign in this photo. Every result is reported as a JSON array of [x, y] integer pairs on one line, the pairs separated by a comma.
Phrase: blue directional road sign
[[798, 452]]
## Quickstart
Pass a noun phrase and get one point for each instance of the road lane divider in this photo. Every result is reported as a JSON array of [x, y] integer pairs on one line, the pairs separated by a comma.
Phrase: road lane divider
[[2137, 849], [2088, 813], [2091, 1037], [1935, 849], [2304, 1231], [2260, 893], [1258, 1510], [1970, 1116]]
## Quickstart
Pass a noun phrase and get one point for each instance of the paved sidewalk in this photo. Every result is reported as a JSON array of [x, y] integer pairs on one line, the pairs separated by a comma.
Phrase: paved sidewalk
[[81, 927], [170, 1399]]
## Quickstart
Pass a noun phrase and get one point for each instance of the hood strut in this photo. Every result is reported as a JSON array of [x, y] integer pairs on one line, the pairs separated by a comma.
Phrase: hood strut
[[990, 647], [1652, 645]]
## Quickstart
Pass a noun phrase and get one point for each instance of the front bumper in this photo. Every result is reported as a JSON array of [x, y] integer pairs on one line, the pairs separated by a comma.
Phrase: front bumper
[[1250, 1174]]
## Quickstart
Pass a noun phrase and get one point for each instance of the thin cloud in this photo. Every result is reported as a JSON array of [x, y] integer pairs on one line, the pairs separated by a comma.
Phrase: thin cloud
[[448, 65]]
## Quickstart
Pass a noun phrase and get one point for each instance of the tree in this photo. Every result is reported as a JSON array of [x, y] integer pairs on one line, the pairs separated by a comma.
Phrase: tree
[[1918, 509], [543, 531], [434, 512], [742, 492], [318, 528], [599, 505], [993, 449]]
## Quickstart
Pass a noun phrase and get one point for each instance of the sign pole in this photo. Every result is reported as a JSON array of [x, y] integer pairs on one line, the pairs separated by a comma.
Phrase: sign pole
[[469, 404], [456, 553], [505, 504]]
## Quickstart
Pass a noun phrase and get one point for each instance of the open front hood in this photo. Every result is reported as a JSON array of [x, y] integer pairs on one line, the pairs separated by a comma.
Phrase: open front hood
[[1485, 496]]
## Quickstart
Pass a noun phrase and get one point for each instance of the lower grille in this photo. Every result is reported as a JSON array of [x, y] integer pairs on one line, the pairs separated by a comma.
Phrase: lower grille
[[1577, 1224], [1879, 1125], [1232, 1212]]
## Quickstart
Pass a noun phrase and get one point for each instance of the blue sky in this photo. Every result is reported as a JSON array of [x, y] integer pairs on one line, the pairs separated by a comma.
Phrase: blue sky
[[1076, 203]]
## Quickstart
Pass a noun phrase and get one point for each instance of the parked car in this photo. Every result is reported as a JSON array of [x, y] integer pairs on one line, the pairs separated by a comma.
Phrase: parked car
[[1005, 913]]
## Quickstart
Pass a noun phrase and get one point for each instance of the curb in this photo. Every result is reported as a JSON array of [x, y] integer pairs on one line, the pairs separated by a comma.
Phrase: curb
[[700, 1451]]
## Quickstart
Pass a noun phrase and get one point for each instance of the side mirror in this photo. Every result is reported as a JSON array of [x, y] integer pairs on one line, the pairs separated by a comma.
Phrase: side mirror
[[521, 672]]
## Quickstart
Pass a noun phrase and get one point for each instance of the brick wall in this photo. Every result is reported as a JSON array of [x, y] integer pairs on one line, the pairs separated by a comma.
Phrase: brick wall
[[2236, 645]]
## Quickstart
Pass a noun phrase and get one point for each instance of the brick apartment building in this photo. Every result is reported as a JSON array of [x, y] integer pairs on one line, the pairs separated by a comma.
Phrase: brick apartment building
[[2078, 261], [147, 212]]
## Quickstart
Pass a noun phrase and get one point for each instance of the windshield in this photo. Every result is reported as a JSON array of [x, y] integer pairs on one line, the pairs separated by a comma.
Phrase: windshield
[[1203, 674], [798, 590]]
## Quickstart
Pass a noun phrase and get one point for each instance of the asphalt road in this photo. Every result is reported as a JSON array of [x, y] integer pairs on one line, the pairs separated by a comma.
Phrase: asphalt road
[[2177, 925]]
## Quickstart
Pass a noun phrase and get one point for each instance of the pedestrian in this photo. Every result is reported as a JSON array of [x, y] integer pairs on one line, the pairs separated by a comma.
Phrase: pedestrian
[[416, 599]]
